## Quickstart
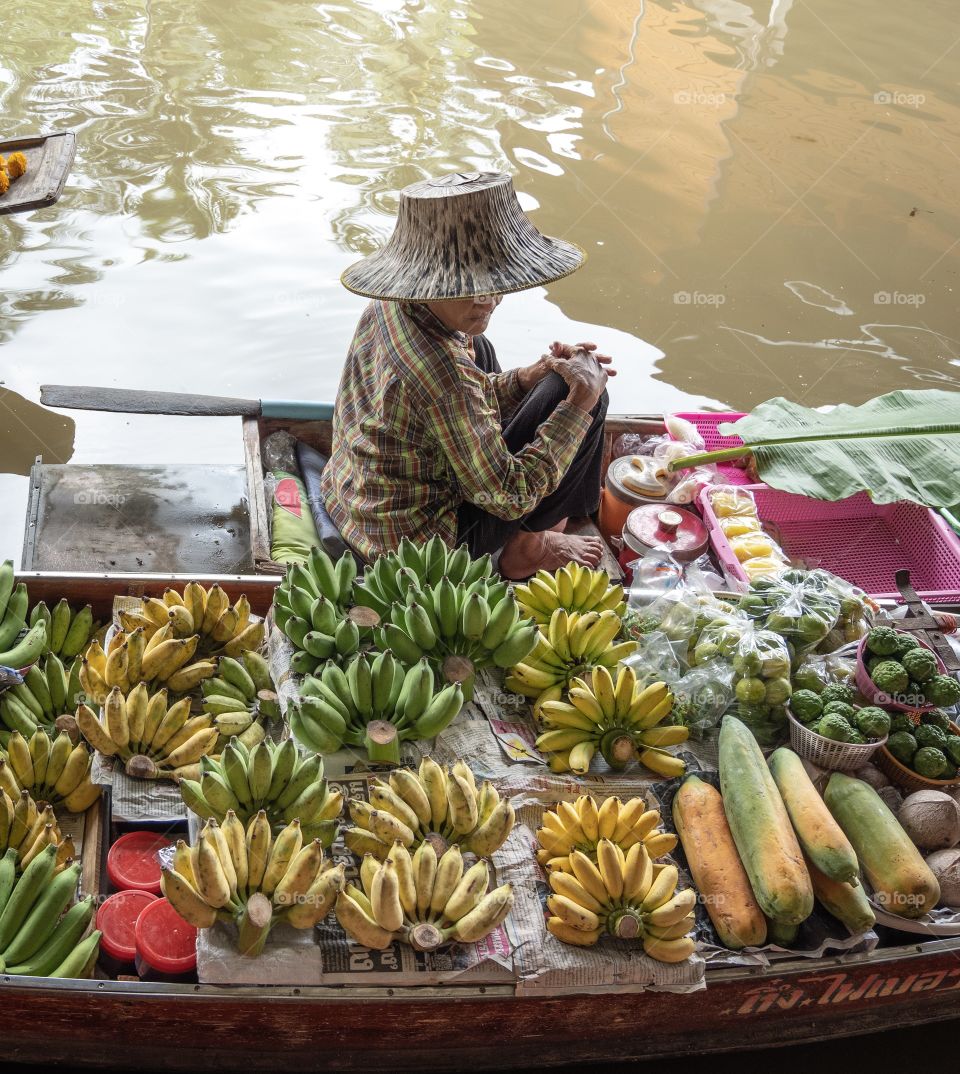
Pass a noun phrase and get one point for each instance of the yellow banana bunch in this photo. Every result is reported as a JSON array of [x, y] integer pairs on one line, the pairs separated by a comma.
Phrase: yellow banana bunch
[[153, 741], [423, 900], [568, 646], [573, 588], [431, 805], [616, 718], [252, 878], [623, 895], [26, 828], [580, 825], [52, 770]]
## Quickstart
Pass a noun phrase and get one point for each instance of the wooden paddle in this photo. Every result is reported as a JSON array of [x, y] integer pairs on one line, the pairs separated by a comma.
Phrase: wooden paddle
[[132, 401]]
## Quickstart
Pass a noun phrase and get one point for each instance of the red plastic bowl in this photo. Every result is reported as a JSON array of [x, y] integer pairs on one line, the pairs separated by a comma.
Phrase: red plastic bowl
[[165, 942], [867, 687], [117, 920], [132, 862]]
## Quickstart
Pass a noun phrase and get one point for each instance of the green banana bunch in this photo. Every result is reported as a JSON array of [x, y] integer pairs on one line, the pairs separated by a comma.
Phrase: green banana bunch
[[68, 631], [277, 779], [388, 578], [252, 878], [49, 690], [37, 938], [15, 651], [314, 607], [53, 770], [431, 805], [26, 828], [459, 629], [569, 646], [573, 588], [240, 694], [616, 718], [374, 703], [424, 900]]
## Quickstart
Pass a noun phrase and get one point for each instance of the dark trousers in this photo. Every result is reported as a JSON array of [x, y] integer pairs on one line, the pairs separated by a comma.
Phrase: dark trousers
[[578, 493]]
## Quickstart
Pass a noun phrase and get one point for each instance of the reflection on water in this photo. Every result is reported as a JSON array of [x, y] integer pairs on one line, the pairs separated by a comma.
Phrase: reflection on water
[[749, 180]]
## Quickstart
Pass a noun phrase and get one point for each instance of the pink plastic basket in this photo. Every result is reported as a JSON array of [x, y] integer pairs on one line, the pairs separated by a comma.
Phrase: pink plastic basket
[[856, 539], [706, 425]]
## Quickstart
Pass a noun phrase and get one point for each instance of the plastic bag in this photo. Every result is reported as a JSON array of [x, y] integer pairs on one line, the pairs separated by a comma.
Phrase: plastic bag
[[702, 696], [280, 452], [857, 612], [727, 501], [815, 671], [738, 525], [801, 606], [635, 444], [771, 566], [753, 545], [684, 431], [761, 683], [655, 660]]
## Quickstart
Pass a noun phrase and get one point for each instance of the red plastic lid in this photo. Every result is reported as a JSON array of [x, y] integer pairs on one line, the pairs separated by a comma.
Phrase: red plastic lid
[[133, 863], [679, 532], [165, 941], [117, 920]]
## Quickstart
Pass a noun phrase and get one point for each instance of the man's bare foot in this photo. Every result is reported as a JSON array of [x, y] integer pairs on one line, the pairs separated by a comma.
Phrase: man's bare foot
[[526, 553]]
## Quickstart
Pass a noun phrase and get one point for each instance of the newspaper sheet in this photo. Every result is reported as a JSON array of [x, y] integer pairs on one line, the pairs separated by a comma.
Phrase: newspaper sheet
[[133, 800]]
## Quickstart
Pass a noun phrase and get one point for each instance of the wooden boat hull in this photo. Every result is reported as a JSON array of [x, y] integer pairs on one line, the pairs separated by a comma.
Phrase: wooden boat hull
[[182, 1027]]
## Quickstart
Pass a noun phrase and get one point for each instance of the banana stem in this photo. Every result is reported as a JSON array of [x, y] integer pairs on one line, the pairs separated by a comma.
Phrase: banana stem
[[254, 925], [382, 742], [141, 767], [626, 926], [617, 748], [425, 937]]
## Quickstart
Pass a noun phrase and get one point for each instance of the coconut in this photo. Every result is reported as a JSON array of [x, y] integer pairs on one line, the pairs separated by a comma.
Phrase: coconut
[[869, 774], [931, 819], [945, 866]]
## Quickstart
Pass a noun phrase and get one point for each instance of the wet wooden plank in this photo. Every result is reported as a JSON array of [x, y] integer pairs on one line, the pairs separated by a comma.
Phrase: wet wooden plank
[[136, 401], [49, 157]]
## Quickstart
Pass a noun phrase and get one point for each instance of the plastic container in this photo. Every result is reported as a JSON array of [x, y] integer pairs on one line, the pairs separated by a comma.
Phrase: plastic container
[[663, 526], [706, 425], [909, 780], [117, 920], [132, 862], [166, 945], [827, 753], [856, 539], [617, 501], [870, 691]]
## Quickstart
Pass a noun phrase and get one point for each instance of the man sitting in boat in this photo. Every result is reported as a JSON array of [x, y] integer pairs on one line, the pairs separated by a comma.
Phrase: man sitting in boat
[[429, 435]]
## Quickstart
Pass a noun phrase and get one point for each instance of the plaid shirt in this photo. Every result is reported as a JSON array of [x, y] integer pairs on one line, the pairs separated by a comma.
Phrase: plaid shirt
[[417, 431]]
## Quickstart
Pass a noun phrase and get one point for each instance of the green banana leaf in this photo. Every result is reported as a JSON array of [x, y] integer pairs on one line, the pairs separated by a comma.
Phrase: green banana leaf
[[901, 446]]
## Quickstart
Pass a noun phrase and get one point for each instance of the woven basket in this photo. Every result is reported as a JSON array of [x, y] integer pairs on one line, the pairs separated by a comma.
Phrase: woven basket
[[875, 695], [909, 780], [827, 753]]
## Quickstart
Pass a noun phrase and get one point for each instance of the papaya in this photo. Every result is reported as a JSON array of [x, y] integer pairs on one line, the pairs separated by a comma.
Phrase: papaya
[[847, 903], [782, 935], [820, 836], [902, 882], [761, 828], [715, 865]]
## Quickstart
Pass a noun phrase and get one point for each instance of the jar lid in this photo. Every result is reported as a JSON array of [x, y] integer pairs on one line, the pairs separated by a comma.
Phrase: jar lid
[[133, 863], [117, 919], [679, 532], [165, 941], [625, 466]]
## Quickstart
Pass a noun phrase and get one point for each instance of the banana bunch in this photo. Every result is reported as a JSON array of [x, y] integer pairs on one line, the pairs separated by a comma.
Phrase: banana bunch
[[374, 703], [422, 900], [625, 896], [570, 645], [14, 602], [52, 770], [240, 694], [581, 825], [388, 578], [48, 691], [432, 805], [573, 588], [37, 939], [275, 778], [26, 829], [251, 878], [618, 719], [68, 631], [153, 741], [313, 606]]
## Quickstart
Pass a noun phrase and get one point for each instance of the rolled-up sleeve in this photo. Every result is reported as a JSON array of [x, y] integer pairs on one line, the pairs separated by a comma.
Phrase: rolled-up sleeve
[[508, 486]]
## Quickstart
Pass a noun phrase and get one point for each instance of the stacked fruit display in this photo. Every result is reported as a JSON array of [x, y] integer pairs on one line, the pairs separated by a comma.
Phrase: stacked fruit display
[[573, 588], [925, 742], [26, 828], [220, 627], [251, 877], [435, 805], [905, 671], [832, 714], [15, 651], [153, 741], [37, 938], [48, 691], [51, 770], [424, 899], [240, 697], [618, 719], [374, 703], [277, 779]]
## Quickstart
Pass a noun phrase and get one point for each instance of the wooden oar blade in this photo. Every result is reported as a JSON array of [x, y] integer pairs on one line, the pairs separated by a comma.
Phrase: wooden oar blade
[[131, 401]]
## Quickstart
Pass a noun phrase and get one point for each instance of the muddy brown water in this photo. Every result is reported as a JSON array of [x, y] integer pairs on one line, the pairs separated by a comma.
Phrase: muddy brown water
[[766, 192]]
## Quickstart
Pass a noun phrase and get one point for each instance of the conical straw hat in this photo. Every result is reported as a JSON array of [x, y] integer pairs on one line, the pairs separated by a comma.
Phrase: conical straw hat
[[461, 236]]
